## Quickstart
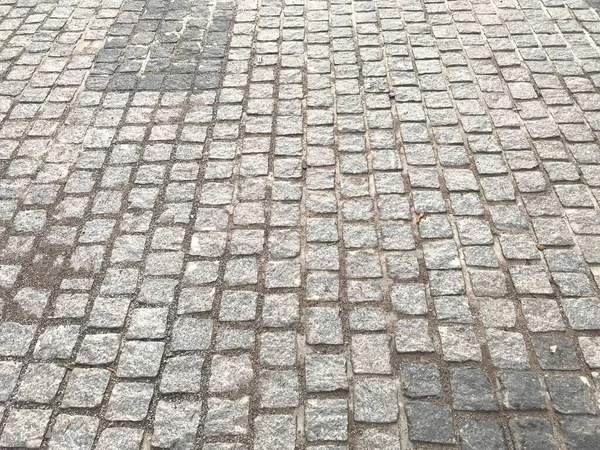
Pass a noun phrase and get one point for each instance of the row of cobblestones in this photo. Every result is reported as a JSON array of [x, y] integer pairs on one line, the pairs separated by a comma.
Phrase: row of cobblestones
[[286, 224]]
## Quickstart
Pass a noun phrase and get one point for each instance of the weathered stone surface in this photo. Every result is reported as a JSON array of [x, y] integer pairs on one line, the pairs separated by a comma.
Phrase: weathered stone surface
[[218, 215]]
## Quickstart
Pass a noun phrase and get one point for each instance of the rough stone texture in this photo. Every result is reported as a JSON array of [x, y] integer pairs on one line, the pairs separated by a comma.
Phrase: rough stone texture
[[279, 224]]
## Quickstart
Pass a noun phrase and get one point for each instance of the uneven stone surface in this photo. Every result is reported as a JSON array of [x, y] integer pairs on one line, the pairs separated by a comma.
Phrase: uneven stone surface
[[299, 224]]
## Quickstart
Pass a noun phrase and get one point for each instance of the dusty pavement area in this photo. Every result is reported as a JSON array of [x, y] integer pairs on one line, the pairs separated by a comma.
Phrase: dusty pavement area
[[323, 225]]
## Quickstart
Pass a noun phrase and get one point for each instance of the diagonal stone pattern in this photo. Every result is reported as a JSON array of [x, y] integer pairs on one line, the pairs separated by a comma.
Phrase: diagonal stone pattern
[[288, 224]]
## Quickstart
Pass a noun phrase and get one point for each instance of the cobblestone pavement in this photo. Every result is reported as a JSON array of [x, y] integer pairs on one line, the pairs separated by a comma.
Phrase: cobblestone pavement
[[326, 225]]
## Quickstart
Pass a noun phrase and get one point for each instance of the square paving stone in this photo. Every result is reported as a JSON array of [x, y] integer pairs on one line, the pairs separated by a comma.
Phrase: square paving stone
[[555, 352], [380, 439], [481, 435], [521, 390], [176, 424], [421, 380], [224, 446], [590, 346], [119, 282], [117, 438], [280, 310], [446, 282], [109, 312], [371, 353], [367, 319], [182, 374], [530, 280], [148, 323], [99, 349], [507, 349], [9, 374], [362, 264], [498, 313], [31, 301], [326, 420], [283, 274], [70, 305], [375, 400], [196, 299], [278, 348], [230, 373], [428, 422], [40, 383], [571, 394], [459, 343], [275, 432], [409, 298], [73, 432], [413, 336], [542, 314], [441, 255], [15, 338], [532, 433], [56, 342], [322, 286], [472, 390], [227, 417], [241, 271], [201, 272], [232, 338], [129, 402], [85, 388], [402, 265], [581, 433], [325, 373], [140, 359], [453, 309], [25, 428], [191, 334], [238, 306], [163, 263], [278, 389], [365, 291], [582, 313], [488, 283], [324, 326]]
